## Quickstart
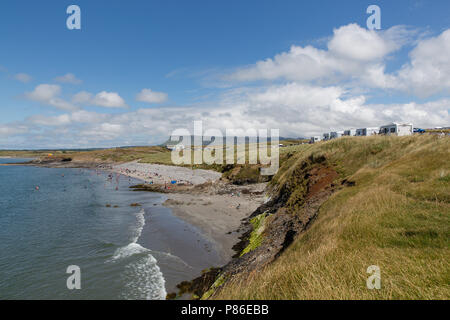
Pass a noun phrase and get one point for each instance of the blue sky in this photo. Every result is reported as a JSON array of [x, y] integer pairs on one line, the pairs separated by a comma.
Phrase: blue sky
[[202, 58]]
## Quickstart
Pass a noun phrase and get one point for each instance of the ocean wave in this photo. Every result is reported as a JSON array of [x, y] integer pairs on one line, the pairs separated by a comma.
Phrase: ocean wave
[[143, 277], [169, 256], [140, 216], [129, 250], [144, 280]]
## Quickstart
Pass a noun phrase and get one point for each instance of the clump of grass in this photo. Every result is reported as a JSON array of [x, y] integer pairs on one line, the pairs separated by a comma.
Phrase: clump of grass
[[218, 283], [256, 236]]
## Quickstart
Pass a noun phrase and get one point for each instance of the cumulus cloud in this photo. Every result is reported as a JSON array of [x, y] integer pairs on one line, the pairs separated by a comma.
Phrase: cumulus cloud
[[428, 72], [60, 120], [102, 99], [356, 43], [358, 55], [298, 110], [82, 97], [68, 78], [7, 130], [351, 51], [23, 77], [48, 94], [149, 96], [83, 116], [109, 100], [104, 131]]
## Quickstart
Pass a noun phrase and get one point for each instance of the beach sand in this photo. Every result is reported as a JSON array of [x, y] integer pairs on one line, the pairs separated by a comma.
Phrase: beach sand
[[213, 206], [160, 174], [217, 215]]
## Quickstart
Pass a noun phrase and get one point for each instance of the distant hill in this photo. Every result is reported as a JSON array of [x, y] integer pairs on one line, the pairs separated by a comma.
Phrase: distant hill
[[205, 143]]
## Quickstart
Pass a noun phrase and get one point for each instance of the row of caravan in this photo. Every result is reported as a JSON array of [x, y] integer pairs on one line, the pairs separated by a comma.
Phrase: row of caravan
[[395, 128]]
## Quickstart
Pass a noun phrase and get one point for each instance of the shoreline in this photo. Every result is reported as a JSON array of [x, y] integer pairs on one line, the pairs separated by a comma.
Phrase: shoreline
[[217, 208], [200, 199], [218, 215]]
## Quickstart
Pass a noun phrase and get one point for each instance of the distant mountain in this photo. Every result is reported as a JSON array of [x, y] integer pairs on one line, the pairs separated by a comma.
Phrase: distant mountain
[[205, 143]]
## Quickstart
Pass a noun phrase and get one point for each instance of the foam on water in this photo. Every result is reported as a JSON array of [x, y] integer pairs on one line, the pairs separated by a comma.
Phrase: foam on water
[[143, 277], [169, 256], [129, 250], [139, 226], [144, 280]]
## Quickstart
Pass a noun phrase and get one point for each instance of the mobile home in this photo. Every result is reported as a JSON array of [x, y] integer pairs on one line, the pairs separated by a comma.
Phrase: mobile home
[[398, 129], [315, 139], [367, 131], [336, 134], [350, 132]]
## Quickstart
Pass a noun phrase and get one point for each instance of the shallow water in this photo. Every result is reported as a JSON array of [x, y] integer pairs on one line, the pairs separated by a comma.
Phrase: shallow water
[[123, 252]]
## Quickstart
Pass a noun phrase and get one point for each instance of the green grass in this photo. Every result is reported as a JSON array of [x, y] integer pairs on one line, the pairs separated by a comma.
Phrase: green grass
[[397, 216], [256, 236]]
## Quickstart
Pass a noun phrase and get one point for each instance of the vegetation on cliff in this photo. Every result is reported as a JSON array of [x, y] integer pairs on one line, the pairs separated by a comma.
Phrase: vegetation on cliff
[[390, 207]]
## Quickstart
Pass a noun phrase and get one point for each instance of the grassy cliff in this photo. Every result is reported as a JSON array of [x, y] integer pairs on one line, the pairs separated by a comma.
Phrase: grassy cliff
[[391, 208]]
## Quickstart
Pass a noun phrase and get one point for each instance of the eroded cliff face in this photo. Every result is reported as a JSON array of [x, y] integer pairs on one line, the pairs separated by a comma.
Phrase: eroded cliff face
[[267, 232]]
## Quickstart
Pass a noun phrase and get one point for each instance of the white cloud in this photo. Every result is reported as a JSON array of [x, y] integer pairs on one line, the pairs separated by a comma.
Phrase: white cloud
[[82, 97], [296, 109], [356, 43], [102, 99], [429, 69], [109, 100], [83, 116], [48, 94], [103, 131], [23, 77], [149, 96], [357, 57], [44, 92], [8, 130], [351, 51], [60, 120], [68, 78]]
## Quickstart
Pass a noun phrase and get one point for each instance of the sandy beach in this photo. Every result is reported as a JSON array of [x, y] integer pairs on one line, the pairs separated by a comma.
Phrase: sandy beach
[[213, 206], [160, 174], [218, 211]]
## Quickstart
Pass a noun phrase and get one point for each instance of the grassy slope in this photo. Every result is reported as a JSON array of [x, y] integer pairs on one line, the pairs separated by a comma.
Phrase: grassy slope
[[397, 216], [22, 153], [155, 154]]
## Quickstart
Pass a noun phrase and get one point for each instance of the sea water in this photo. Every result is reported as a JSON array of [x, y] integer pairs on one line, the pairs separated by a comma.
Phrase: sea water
[[51, 219]]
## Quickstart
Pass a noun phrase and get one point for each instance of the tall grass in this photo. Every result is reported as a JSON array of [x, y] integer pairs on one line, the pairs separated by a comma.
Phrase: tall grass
[[397, 216]]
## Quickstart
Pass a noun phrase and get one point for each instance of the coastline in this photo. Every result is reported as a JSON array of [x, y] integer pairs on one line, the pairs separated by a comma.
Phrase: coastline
[[218, 211], [201, 199]]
